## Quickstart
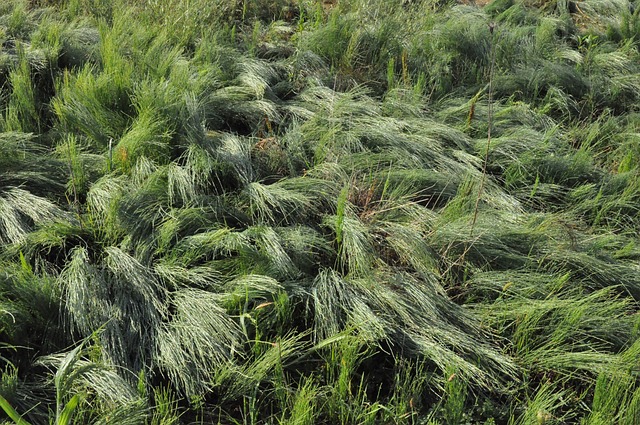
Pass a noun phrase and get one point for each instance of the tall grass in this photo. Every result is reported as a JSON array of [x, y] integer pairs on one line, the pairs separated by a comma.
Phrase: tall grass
[[288, 212]]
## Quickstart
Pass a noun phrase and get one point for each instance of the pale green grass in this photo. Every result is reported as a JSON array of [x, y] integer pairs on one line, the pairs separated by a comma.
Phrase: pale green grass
[[268, 212]]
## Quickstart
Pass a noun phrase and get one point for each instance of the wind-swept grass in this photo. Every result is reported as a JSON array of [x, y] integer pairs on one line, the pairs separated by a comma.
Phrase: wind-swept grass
[[25, 164], [289, 212]]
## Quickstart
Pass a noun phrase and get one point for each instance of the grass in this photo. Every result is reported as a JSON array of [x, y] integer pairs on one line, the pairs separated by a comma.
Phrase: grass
[[287, 212]]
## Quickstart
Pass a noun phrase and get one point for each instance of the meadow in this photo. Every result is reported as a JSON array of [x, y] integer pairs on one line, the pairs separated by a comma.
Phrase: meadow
[[311, 212]]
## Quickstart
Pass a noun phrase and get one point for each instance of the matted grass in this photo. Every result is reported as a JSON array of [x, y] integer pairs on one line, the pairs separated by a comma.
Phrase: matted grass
[[305, 212]]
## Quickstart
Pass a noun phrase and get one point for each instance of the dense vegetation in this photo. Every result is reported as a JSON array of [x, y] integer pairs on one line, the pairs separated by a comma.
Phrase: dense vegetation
[[298, 212]]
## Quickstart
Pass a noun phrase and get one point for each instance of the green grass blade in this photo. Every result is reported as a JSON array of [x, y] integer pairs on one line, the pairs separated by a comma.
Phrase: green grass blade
[[67, 412], [10, 411]]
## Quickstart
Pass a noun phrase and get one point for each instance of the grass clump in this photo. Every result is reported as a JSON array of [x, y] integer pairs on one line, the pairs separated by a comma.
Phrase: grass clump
[[319, 212]]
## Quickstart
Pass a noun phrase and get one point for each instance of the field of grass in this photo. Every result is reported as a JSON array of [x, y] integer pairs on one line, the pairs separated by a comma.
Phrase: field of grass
[[302, 212]]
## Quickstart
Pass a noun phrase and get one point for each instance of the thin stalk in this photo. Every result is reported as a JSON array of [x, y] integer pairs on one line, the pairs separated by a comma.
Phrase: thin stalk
[[76, 202], [467, 245], [483, 178], [110, 154]]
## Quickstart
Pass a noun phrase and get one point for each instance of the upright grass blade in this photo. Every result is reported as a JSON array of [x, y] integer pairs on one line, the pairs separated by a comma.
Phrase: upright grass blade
[[67, 413]]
